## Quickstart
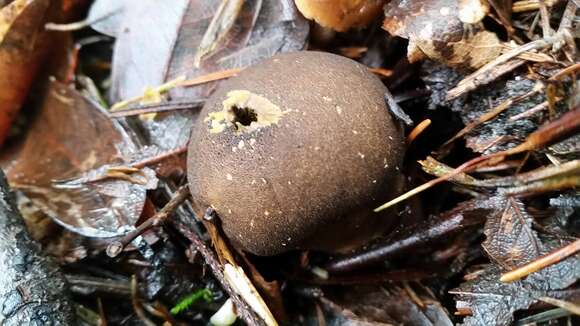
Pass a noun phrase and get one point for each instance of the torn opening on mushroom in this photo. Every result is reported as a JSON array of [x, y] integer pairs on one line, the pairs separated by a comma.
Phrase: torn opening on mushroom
[[245, 112]]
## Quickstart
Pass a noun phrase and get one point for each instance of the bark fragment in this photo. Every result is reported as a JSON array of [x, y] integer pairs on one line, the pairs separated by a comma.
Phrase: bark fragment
[[32, 289]]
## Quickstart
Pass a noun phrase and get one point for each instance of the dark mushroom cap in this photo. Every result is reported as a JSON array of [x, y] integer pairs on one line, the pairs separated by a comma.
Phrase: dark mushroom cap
[[295, 152]]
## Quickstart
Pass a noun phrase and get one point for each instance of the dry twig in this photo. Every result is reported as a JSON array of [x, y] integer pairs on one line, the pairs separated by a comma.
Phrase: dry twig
[[543, 262]]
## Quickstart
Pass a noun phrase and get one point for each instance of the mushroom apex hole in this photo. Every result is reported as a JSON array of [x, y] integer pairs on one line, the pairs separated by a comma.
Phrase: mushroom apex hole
[[244, 115]]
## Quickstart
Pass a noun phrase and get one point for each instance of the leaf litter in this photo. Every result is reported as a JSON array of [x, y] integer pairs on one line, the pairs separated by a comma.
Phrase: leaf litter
[[507, 222]]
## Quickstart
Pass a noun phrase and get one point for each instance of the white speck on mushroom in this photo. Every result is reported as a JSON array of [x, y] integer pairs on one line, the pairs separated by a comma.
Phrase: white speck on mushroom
[[338, 109], [390, 137], [252, 223], [264, 181], [266, 213], [253, 182], [289, 182], [327, 99], [444, 11], [241, 144], [317, 148], [355, 132], [252, 141], [374, 181], [229, 211], [229, 177], [361, 155], [234, 149]]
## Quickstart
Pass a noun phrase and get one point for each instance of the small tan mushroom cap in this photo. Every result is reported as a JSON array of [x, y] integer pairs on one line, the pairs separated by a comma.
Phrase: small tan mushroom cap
[[341, 15], [304, 167]]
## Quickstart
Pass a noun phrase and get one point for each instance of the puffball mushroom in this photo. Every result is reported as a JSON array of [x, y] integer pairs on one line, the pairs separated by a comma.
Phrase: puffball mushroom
[[295, 152]]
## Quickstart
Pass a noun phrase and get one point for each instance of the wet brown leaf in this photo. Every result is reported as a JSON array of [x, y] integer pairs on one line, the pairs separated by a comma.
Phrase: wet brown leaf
[[22, 46], [71, 136]]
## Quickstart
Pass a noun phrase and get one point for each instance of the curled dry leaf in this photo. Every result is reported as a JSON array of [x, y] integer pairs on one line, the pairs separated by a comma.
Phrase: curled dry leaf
[[511, 241], [22, 46], [435, 30], [341, 15], [172, 33], [70, 136]]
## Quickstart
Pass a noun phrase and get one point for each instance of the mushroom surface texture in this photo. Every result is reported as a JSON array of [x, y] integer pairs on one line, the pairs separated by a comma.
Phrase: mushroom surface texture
[[295, 152]]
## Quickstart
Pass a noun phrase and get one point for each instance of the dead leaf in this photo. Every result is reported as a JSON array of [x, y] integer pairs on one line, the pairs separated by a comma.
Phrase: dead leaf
[[384, 305], [489, 125], [511, 241], [492, 302], [435, 30], [106, 16], [72, 135], [160, 40], [22, 46]]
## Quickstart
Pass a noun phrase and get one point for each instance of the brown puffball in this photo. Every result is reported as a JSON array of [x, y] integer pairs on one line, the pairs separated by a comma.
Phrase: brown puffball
[[295, 152]]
